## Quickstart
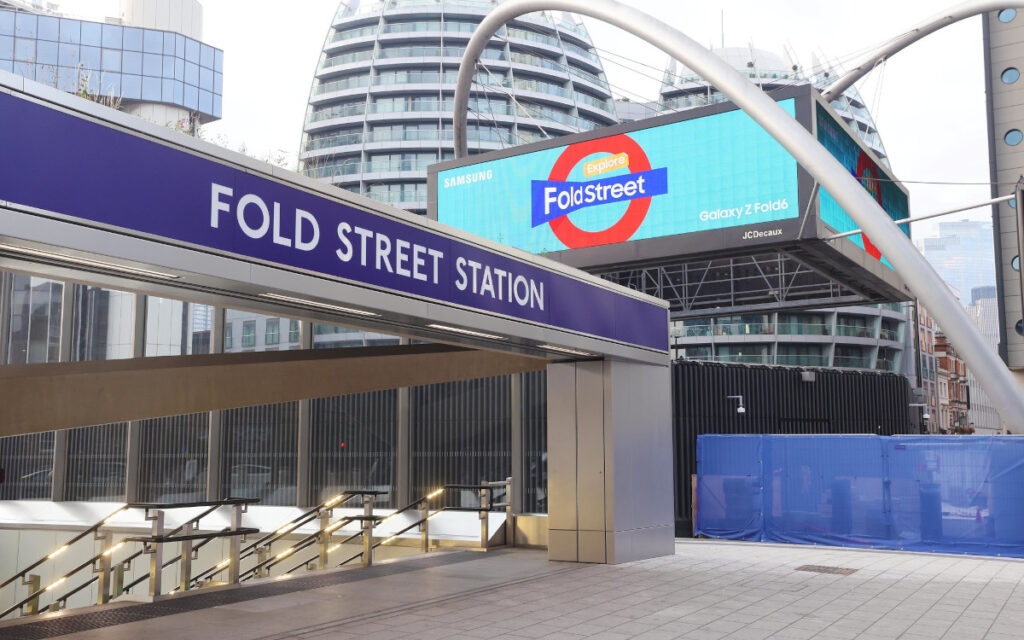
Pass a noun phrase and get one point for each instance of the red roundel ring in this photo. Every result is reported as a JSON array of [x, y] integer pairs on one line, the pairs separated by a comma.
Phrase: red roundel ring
[[864, 164], [576, 238]]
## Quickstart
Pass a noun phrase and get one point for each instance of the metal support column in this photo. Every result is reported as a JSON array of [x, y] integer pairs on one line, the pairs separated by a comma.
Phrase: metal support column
[[215, 436], [367, 531], [403, 448], [103, 569], [324, 539], [185, 563], [133, 466], [156, 554], [6, 286], [133, 448], [510, 512], [484, 520], [425, 526], [234, 544], [58, 478], [304, 466], [58, 483], [33, 582], [516, 483]]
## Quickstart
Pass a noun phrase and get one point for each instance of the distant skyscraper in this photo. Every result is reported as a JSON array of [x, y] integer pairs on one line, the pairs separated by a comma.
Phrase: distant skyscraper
[[963, 255]]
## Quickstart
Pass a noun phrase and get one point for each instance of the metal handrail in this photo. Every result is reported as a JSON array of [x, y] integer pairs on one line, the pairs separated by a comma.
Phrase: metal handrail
[[60, 549], [298, 546], [127, 561], [91, 562]]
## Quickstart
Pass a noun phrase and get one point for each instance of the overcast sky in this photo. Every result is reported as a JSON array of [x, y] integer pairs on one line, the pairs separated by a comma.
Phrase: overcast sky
[[928, 101]]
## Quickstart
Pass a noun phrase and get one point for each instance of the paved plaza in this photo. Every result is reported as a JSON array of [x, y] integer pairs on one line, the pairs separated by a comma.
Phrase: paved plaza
[[708, 590]]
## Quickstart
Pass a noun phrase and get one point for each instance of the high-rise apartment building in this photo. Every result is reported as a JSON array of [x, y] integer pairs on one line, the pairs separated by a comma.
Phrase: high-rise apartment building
[[380, 109]]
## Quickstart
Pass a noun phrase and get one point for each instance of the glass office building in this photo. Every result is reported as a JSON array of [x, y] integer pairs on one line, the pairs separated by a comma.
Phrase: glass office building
[[113, 61]]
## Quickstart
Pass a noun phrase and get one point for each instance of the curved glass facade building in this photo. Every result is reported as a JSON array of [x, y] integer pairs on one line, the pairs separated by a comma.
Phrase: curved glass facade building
[[380, 108]]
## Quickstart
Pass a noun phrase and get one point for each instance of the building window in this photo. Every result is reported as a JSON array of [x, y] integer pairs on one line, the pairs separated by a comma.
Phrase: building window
[[1013, 137], [1007, 15], [273, 332], [248, 334], [227, 336], [1015, 263], [293, 331], [1010, 75]]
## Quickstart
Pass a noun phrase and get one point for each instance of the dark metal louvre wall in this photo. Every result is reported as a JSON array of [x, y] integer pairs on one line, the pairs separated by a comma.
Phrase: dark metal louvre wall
[[97, 462], [354, 441], [27, 463], [777, 402], [174, 458], [461, 433], [535, 442], [261, 453]]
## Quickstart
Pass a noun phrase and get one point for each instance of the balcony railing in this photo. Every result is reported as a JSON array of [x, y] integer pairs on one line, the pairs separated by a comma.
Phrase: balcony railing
[[352, 34], [854, 331], [803, 329], [889, 334], [341, 85], [852, 362], [743, 328], [541, 87], [346, 58], [581, 52], [532, 36], [357, 109], [802, 360], [594, 102]]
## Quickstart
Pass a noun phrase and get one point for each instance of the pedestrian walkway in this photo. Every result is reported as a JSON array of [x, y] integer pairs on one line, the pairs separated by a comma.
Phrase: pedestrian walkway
[[708, 590]]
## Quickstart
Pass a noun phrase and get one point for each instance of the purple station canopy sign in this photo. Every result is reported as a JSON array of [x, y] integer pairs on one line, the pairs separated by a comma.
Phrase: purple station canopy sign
[[64, 163]]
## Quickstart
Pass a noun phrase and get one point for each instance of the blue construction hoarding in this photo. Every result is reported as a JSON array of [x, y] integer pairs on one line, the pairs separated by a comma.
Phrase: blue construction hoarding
[[962, 494]]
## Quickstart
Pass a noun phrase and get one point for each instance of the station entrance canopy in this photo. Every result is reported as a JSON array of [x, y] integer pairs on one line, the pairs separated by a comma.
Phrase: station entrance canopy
[[91, 195], [702, 208]]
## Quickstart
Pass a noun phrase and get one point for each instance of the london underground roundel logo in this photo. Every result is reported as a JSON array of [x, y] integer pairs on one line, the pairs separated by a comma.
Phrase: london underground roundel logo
[[555, 198]]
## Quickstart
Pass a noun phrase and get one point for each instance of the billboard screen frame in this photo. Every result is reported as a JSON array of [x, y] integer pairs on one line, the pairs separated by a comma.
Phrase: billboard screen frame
[[804, 237]]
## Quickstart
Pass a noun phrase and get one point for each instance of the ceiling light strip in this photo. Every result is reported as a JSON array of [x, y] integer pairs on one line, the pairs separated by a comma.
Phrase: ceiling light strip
[[319, 305], [551, 347], [466, 332], [88, 262]]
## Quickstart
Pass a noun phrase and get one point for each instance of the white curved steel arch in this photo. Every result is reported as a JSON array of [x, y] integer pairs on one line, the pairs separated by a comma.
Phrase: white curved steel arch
[[923, 281], [950, 16]]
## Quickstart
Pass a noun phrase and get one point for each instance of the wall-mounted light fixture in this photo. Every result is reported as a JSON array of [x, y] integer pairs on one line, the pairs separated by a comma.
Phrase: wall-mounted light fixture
[[740, 409]]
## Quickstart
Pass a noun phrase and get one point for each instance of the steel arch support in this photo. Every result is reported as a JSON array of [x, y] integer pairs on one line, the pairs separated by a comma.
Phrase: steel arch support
[[922, 279], [868, 63]]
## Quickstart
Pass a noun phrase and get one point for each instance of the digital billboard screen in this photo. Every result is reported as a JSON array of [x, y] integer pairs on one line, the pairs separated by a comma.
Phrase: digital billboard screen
[[703, 174], [875, 179]]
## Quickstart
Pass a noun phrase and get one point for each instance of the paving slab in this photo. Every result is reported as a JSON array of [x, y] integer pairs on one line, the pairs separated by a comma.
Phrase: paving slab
[[708, 590]]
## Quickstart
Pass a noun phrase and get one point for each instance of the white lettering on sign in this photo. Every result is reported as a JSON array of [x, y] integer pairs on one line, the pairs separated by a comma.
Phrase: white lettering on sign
[[491, 282], [400, 257], [255, 219], [748, 209], [299, 230]]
